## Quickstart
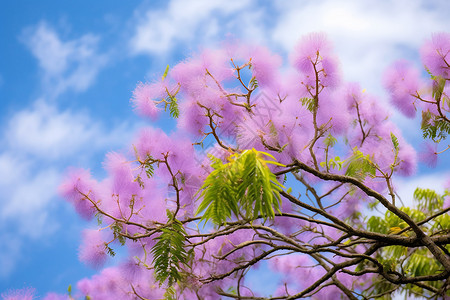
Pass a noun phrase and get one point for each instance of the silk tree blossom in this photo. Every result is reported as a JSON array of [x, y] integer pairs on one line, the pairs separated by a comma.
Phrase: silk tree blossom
[[21, 294], [55, 296], [144, 97], [77, 185], [435, 54], [265, 66], [403, 83], [111, 284], [93, 250], [314, 58], [428, 154], [329, 147]]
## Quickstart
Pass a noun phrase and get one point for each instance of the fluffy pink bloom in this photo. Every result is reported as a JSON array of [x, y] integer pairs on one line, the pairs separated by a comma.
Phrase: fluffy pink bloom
[[309, 50], [131, 270], [93, 249], [428, 154], [192, 118], [408, 159], [332, 112], [190, 74], [352, 94], [314, 54], [217, 62], [149, 141], [54, 296], [111, 284], [21, 294], [121, 173], [402, 81], [77, 184], [435, 54], [331, 75], [265, 66], [144, 97]]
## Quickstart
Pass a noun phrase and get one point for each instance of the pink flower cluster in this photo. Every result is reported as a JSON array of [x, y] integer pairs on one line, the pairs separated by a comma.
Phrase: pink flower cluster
[[240, 103]]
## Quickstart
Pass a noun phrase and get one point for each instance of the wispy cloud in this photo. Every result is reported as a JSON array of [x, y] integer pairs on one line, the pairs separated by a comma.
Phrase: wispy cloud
[[47, 133], [65, 65], [39, 140], [159, 32], [37, 143]]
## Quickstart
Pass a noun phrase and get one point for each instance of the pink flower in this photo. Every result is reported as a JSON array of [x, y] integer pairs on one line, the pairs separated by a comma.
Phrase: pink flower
[[77, 185], [192, 118], [408, 159], [428, 154], [150, 141], [402, 81], [265, 66], [54, 296], [436, 54], [144, 97], [309, 50], [21, 294], [93, 249], [314, 55]]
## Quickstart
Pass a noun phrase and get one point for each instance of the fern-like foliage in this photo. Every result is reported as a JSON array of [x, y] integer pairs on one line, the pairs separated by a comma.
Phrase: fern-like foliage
[[359, 165], [434, 127], [243, 185], [412, 262], [428, 200], [169, 253], [309, 103], [173, 107]]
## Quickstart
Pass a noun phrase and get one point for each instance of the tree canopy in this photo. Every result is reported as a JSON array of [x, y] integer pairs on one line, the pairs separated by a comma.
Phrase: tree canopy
[[272, 166]]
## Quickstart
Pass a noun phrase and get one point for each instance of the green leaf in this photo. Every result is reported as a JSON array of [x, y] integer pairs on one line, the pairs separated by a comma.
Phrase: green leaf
[[173, 107], [330, 141], [428, 200], [253, 83], [394, 141], [434, 127], [438, 88], [309, 103], [377, 224], [244, 184], [169, 253], [110, 250], [149, 166], [359, 165], [165, 73]]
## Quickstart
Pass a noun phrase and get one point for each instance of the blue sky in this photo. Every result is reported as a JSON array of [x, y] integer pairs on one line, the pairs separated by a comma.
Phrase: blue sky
[[67, 70]]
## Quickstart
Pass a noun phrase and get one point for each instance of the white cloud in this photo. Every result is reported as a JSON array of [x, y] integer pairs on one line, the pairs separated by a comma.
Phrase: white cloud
[[28, 202], [47, 133], [36, 145], [35, 142], [204, 21], [66, 65], [11, 168]]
